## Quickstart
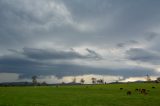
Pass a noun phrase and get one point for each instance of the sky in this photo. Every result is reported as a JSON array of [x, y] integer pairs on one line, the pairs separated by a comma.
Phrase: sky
[[58, 40]]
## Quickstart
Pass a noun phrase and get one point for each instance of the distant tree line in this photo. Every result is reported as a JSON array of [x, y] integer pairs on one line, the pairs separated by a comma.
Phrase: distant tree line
[[74, 81]]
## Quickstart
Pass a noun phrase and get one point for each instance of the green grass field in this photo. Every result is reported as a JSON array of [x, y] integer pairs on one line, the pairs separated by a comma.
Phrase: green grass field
[[91, 95]]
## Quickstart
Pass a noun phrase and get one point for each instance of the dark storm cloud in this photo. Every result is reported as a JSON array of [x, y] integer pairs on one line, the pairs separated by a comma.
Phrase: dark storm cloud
[[22, 21], [27, 68], [127, 18], [41, 54], [15, 64], [14, 60], [29, 27], [143, 55]]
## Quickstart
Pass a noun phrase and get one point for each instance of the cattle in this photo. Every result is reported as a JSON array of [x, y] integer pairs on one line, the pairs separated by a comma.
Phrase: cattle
[[121, 88], [143, 91], [136, 89], [129, 92]]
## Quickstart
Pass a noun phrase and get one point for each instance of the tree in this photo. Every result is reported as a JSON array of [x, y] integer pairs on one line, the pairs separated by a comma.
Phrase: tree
[[44, 83], [93, 80], [82, 81], [34, 80], [148, 78], [158, 80], [100, 81], [74, 80]]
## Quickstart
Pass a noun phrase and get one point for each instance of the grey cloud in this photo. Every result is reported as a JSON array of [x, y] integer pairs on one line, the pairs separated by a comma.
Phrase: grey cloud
[[44, 54], [121, 44], [99, 24], [133, 42], [14, 60], [15, 64], [22, 21], [41, 54], [127, 43], [151, 35], [143, 55], [27, 68], [92, 53]]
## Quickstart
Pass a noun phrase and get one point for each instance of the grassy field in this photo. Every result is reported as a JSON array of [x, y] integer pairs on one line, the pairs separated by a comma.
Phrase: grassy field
[[91, 95]]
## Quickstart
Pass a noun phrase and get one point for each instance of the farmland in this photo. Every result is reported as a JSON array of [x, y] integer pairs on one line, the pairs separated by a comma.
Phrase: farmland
[[81, 95]]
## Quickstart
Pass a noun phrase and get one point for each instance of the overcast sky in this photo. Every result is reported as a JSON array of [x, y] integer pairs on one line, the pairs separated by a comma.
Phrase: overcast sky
[[63, 38]]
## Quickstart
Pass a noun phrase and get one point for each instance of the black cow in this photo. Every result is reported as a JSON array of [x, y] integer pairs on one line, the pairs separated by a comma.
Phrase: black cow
[[129, 92], [121, 88]]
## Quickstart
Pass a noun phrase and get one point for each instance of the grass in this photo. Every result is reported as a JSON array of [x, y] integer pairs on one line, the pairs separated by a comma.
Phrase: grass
[[85, 95]]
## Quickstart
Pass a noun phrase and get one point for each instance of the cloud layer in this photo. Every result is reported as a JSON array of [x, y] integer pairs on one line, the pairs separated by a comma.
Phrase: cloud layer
[[77, 37]]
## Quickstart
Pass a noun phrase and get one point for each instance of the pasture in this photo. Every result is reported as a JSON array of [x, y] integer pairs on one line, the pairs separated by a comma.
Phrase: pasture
[[81, 95]]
